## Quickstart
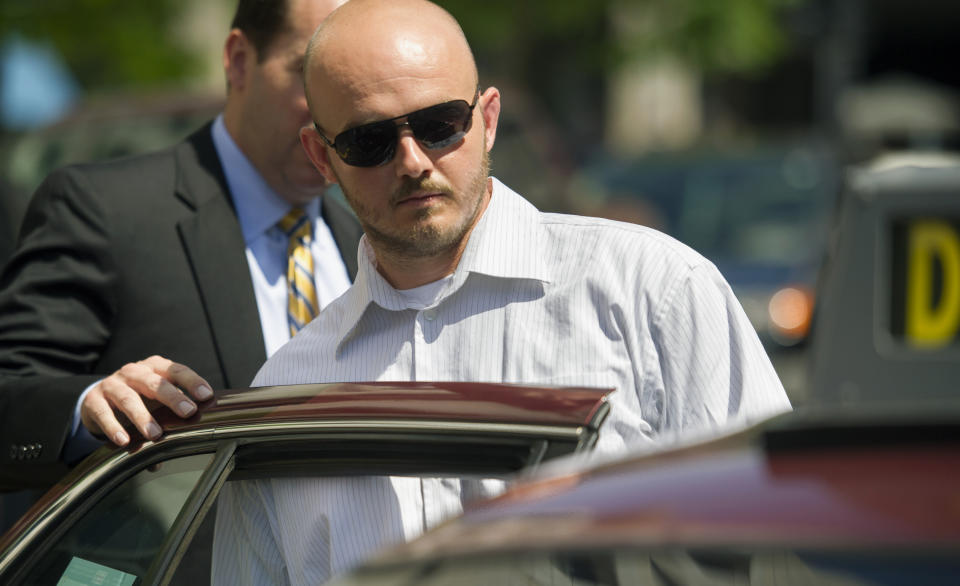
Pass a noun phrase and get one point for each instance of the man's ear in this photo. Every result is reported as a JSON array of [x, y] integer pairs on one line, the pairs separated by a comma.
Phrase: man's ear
[[490, 110], [238, 55], [318, 152]]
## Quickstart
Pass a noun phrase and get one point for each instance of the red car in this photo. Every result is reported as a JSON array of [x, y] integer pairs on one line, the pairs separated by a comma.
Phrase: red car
[[866, 498], [140, 515]]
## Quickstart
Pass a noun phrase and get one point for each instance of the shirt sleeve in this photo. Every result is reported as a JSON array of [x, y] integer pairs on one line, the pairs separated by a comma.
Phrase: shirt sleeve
[[80, 442], [716, 372]]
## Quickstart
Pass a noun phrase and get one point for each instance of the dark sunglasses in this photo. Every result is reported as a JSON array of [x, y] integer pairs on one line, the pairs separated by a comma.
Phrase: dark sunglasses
[[373, 144]]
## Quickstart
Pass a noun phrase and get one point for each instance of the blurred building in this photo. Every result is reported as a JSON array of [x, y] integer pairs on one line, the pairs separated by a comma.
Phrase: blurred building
[[861, 74]]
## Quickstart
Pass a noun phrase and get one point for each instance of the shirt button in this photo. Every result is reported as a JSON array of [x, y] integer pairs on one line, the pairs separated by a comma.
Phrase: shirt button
[[430, 314]]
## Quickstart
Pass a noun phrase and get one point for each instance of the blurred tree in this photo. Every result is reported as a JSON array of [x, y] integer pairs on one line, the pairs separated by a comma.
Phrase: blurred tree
[[557, 62], [106, 44], [712, 35], [564, 52], [733, 36], [111, 44]]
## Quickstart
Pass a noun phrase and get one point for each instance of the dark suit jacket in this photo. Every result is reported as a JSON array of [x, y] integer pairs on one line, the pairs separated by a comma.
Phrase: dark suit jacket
[[12, 204], [118, 261]]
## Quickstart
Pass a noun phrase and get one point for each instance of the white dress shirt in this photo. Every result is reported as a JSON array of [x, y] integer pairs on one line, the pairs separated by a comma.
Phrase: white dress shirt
[[536, 298]]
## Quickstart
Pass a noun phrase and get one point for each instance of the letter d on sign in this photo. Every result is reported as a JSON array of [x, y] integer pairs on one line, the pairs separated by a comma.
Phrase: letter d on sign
[[932, 320]]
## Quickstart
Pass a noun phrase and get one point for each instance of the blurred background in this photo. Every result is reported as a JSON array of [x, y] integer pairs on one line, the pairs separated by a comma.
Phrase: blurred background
[[730, 124]]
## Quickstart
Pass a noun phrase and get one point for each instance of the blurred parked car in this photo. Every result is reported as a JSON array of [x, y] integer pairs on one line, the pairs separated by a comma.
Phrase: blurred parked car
[[834, 498], [141, 514], [760, 216], [104, 128]]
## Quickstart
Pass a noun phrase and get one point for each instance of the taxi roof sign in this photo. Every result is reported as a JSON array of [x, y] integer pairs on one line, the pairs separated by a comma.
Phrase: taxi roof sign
[[888, 317]]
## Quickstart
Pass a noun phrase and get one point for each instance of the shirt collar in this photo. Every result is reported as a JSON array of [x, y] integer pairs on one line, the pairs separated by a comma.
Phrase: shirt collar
[[507, 242], [258, 207]]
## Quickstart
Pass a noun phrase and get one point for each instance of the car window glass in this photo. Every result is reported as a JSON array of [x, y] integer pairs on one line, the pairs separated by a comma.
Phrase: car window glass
[[115, 541], [268, 527]]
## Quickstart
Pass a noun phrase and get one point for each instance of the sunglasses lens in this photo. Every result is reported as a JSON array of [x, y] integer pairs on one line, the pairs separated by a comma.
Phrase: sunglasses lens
[[441, 125], [368, 145], [435, 127]]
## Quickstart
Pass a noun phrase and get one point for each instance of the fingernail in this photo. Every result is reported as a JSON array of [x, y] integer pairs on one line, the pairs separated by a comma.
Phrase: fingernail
[[186, 408], [120, 438], [204, 392], [153, 430]]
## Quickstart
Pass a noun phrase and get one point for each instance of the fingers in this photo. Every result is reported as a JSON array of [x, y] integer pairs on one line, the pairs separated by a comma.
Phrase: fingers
[[181, 376], [123, 394], [98, 418]]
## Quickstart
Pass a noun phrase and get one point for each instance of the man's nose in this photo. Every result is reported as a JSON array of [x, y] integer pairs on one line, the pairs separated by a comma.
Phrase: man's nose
[[411, 159]]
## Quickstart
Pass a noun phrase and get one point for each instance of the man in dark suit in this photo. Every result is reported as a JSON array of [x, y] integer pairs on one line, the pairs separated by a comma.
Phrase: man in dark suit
[[174, 255]]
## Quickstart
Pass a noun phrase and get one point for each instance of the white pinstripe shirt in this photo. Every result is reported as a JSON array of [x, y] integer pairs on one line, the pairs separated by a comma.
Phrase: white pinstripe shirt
[[536, 298]]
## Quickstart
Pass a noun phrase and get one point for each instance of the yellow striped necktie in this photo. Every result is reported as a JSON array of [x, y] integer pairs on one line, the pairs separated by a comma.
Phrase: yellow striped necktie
[[301, 292]]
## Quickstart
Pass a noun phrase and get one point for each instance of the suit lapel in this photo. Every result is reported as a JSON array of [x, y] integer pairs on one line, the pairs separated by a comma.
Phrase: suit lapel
[[214, 244]]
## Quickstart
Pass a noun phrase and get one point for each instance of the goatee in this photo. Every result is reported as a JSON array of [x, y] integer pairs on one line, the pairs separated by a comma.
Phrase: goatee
[[427, 238]]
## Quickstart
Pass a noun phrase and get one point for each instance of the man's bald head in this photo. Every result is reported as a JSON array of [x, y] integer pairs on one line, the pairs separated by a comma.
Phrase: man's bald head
[[367, 41], [371, 64]]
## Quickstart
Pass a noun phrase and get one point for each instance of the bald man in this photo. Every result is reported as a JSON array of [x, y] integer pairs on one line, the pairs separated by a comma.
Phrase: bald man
[[461, 279]]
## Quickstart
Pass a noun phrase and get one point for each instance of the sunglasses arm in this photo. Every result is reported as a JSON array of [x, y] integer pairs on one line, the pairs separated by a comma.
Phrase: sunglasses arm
[[321, 135]]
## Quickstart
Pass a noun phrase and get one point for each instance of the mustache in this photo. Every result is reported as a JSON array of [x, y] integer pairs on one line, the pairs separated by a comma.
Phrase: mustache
[[411, 185]]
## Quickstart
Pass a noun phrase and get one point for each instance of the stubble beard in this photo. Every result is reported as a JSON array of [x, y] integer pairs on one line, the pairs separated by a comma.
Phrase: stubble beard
[[427, 239]]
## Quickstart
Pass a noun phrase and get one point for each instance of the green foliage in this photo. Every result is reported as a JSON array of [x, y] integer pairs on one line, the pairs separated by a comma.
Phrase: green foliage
[[740, 36], [562, 52], [115, 44], [106, 44], [507, 34]]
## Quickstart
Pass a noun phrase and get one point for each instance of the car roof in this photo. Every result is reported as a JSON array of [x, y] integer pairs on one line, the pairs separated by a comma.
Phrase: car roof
[[803, 479], [398, 400]]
